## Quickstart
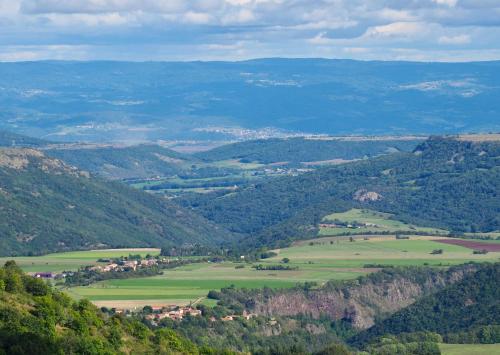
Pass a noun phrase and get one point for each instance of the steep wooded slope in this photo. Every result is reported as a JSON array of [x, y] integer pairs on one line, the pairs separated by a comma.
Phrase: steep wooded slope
[[470, 303], [47, 205]]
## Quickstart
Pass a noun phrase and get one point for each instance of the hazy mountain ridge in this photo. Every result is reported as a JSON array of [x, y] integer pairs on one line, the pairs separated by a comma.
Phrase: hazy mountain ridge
[[147, 101]]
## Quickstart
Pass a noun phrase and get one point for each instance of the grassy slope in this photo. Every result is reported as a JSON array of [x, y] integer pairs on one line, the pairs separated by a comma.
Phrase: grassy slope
[[384, 223]]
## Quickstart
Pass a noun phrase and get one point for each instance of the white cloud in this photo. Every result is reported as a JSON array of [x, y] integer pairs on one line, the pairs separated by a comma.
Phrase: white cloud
[[396, 29], [356, 28], [321, 39], [450, 3], [458, 39]]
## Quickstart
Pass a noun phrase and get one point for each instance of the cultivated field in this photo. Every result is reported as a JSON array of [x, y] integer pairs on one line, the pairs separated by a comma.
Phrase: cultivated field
[[473, 244], [468, 349], [378, 222], [69, 261]]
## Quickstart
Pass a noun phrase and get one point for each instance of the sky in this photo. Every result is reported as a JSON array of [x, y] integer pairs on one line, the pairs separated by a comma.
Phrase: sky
[[167, 30]]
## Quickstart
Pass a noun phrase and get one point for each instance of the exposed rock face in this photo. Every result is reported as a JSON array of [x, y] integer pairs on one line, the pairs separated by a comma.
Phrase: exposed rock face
[[366, 196], [360, 303]]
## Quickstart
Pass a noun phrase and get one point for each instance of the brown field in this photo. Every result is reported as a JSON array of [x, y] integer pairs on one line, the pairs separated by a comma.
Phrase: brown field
[[471, 244]]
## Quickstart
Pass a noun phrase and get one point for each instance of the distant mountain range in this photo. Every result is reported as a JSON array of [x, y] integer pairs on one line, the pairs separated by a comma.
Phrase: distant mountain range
[[126, 101]]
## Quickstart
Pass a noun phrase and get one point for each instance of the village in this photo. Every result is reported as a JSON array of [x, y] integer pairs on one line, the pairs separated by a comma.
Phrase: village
[[179, 313], [122, 264]]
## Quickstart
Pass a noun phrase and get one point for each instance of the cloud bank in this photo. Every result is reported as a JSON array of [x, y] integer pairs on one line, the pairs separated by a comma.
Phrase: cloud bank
[[427, 30]]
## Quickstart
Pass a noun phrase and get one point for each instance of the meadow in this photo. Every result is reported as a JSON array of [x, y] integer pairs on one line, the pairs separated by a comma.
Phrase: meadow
[[191, 283], [379, 223]]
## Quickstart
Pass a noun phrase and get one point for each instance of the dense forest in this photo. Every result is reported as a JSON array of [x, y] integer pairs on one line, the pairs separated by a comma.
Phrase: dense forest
[[444, 183], [47, 205]]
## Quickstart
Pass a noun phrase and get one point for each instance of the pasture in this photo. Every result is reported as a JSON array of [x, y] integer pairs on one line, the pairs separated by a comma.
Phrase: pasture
[[71, 261], [339, 252], [376, 222]]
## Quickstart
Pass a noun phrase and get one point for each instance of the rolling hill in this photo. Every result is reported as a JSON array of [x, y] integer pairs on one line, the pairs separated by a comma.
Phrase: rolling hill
[[47, 205], [135, 102], [309, 150], [444, 183], [9, 139]]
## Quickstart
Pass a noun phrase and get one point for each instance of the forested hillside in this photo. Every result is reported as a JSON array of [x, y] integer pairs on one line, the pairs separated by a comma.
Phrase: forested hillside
[[444, 183], [140, 161], [298, 150], [47, 205], [37, 319]]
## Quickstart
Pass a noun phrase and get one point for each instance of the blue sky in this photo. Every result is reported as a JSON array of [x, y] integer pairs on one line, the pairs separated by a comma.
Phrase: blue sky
[[422, 30]]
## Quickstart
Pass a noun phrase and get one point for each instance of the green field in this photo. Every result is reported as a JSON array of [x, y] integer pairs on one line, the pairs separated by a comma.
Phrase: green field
[[329, 258], [341, 253], [382, 222], [69, 261], [191, 282], [469, 349]]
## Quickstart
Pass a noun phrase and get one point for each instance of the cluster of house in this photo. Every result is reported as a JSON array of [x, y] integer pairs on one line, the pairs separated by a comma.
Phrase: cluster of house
[[178, 313], [125, 265], [231, 317], [160, 313], [347, 225]]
